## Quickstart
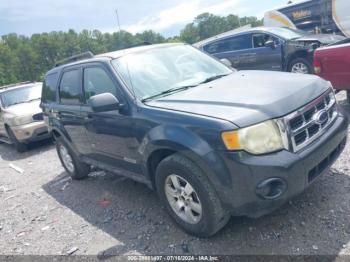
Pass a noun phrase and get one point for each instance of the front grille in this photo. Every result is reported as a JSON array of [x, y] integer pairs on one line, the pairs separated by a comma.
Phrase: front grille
[[310, 122]]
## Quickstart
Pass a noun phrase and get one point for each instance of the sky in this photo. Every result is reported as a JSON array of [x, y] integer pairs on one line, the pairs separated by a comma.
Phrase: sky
[[167, 17]]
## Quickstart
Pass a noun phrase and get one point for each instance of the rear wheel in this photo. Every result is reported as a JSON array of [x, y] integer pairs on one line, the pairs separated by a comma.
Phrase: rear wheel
[[20, 147], [189, 197], [70, 161], [300, 65]]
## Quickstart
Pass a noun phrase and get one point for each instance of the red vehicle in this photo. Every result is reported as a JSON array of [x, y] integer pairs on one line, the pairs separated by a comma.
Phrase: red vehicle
[[333, 63]]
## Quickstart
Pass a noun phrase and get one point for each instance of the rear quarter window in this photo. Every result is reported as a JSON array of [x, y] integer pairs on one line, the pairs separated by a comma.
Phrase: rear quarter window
[[49, 88]]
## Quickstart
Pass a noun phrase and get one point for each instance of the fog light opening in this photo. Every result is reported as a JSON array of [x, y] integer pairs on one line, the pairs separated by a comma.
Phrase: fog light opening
[[271, 188]]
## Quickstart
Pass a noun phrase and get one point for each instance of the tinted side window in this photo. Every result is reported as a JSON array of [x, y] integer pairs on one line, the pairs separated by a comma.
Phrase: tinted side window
[[97, 81], [259, 40], [212, 48], [49, 88], [70, 90], [230, 44]]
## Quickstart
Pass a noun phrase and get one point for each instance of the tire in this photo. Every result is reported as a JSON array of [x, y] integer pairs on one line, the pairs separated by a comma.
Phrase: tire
[[70, 161], [20, 147], [304, 65], [208, 219], [348, 96]]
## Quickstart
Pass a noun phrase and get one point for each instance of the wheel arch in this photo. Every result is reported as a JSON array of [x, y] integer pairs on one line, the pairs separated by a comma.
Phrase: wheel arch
[[193, 147], [298, 54]]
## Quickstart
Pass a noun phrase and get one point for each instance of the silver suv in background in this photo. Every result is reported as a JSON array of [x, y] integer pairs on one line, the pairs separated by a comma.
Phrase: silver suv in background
[[21, 118]]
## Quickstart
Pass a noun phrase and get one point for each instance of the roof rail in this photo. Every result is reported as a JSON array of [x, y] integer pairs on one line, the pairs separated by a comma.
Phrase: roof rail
[[139, 44], [75, 58], [16, 84]]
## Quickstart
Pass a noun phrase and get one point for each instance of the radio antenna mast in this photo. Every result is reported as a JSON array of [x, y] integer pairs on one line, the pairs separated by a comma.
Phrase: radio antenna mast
[[127, 65], [116, 12]]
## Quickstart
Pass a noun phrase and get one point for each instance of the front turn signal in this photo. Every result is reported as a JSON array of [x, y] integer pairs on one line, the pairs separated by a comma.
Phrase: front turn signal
[[231, 140]]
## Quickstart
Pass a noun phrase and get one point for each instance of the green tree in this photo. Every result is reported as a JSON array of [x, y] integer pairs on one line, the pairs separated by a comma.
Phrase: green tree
[[25, 58], [190, 34]]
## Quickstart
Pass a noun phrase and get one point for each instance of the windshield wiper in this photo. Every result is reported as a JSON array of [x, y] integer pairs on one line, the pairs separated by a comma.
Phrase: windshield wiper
[[212, 78], [166, 92], [30, 100], [177, 89]]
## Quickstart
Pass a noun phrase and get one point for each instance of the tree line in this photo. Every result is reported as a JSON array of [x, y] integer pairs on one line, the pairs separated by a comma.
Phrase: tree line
[[25, 58]]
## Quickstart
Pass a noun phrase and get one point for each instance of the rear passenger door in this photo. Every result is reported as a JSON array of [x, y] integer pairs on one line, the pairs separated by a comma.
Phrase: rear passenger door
[[267, 57], [68, 108], [238, 49]]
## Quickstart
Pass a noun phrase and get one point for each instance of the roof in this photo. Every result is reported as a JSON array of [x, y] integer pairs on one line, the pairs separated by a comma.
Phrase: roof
[[112, 55], [240, 30]]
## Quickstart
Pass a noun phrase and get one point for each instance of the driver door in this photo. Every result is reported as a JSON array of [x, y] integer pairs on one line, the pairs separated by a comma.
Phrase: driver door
[[110, 133], [267, 57]]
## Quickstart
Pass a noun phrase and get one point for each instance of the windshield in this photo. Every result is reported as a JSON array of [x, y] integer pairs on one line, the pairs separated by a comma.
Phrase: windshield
[[287, 33], [159, 70], [21, 95]]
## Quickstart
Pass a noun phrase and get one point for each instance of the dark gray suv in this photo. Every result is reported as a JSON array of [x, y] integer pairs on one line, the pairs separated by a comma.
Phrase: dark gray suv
[[268, 48], [213, 142]]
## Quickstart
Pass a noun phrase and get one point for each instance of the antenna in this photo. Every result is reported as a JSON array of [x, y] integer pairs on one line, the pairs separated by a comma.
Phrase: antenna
[[120, 30], [127, 65], [116, 12]]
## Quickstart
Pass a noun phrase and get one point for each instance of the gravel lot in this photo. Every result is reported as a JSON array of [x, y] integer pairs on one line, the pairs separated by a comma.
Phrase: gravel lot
[[43, 212]]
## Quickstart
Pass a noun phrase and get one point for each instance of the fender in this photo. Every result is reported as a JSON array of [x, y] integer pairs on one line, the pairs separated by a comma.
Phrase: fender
[[292, 50], [186, 142]]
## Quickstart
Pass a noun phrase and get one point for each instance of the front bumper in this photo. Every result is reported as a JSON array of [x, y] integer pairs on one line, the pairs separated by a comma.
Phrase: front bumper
[[298, 170], [31, 132]]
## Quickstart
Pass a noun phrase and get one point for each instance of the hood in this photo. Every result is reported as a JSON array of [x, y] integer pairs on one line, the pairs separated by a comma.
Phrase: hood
[[324, 39], [247, 97], [23, 109]]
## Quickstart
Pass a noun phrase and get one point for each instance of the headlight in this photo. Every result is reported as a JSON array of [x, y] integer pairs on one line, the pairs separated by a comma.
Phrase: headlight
[[22, 120], [258, 139]]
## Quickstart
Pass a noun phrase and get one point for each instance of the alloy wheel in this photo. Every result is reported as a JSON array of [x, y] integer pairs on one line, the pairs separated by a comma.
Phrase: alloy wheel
[[300, 68], [183, 199], [66, 158]]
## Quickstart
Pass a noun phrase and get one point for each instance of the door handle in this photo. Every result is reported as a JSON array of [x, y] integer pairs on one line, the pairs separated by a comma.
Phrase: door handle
[[249, 54], [88, 118]]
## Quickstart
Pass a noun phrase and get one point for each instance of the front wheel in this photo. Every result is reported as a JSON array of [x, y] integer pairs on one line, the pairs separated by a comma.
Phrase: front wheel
[[70, 161], [189, 197], [20, 147], [301, 66]]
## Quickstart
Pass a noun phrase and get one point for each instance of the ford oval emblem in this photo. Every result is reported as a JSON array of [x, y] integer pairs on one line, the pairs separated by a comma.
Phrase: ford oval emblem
[[321, 117]]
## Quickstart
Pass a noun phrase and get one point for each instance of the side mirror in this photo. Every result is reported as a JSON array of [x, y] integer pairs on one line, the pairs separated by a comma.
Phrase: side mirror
[[271, 44], [104, 102], [226, 62]]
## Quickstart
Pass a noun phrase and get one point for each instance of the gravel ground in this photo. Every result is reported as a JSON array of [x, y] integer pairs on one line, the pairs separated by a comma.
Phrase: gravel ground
[[43, 212]]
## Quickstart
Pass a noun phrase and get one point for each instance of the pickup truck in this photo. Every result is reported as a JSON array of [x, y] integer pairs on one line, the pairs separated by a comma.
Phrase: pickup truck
[[333, 64]]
